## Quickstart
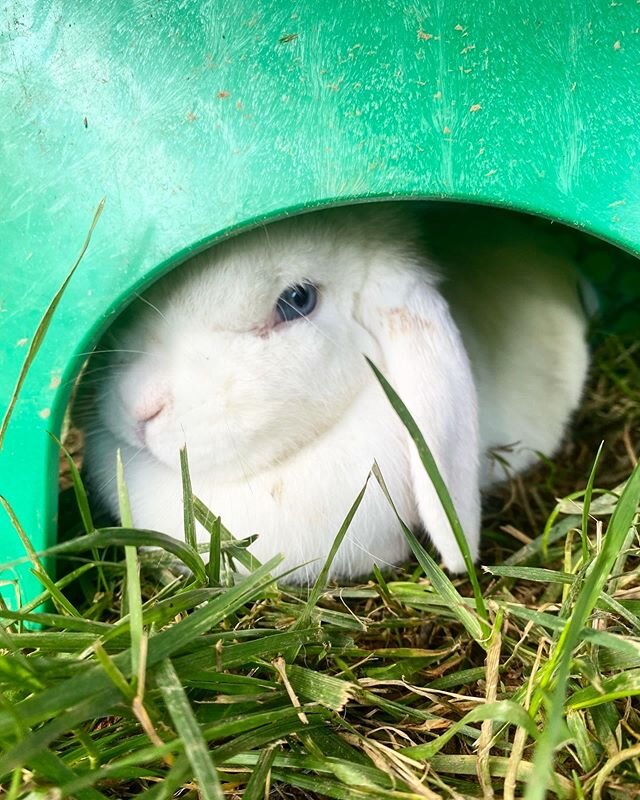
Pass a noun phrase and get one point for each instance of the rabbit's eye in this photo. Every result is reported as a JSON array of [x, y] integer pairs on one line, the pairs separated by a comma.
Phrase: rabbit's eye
[[296, 301]]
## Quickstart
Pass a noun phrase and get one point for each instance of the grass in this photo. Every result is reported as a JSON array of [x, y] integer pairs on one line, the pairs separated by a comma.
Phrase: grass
[[406, 686]]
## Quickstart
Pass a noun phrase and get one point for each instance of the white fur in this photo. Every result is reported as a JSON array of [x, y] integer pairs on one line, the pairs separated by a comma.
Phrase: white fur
[[283, 423], [518, 308]]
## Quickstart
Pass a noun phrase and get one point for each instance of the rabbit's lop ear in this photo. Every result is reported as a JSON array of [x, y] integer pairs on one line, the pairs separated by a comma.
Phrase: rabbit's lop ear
[[423, 357]]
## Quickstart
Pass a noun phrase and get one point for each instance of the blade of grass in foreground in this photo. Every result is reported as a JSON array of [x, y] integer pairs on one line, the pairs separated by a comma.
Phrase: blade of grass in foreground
[[213, 525], [65, 695], [187, 502], [82, 502], [179, 708], [624, 684], [505, 711], [321, 580], [121, 537], [476, 626], [257, 787], [56, 771], [617, 530], [38, 570], [79, 491], [588, 494], [215, 552], [133, 573], [429, 463], [535, 574], [43, 325]]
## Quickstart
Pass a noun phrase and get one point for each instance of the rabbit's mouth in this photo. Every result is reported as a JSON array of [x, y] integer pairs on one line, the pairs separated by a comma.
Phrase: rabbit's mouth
[[142, 424]]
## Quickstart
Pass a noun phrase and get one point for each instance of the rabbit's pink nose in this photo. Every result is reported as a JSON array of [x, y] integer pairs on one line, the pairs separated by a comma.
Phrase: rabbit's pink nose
[[151, 412], [146, 413]]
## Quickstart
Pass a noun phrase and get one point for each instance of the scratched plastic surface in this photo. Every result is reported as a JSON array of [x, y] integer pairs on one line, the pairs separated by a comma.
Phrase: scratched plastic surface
[[197, 118]]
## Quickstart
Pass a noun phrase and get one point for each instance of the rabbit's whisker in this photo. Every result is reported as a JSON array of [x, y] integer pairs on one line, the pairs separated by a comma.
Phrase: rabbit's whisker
[[125, 464], [155, 308]]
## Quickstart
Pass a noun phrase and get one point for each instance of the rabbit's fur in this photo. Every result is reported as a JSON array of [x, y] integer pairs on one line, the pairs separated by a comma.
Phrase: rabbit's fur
[[283, 421]]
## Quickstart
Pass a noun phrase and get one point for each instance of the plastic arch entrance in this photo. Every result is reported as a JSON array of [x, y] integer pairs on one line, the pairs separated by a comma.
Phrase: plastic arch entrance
[[196, 119]]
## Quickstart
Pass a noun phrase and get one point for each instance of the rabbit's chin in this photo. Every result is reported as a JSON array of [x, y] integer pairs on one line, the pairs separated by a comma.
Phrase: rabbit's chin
[[214, 459]]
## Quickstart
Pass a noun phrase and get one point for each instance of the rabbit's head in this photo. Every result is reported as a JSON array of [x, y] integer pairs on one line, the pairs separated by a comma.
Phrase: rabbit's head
[[254, 349]]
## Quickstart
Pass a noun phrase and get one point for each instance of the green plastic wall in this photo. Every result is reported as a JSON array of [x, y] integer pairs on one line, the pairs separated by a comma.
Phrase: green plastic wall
[[194, 119]]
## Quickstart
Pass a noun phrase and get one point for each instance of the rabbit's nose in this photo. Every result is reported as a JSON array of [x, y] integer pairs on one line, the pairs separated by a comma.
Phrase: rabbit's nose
[[151, 413], [149, 405], [145, 412]]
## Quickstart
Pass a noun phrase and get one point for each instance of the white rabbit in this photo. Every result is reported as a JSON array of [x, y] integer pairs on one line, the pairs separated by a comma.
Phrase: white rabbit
[[252, 354]]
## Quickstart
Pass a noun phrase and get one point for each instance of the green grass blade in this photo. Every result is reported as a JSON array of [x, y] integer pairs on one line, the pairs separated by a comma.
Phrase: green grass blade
[[15, 785], [187, 502], [215, 552], [257, 787], [261, 648], [612, 641], [614, 539], [15, 674], [210, 521], [338, 790], [58, 773], [505, 711], [625, 684], [82, 502], [606, 601], [39, 571], [460, 678], [43, 325], [444, 588], [257, 739], [78, 488], [209, 787], [133, 590], [64, 581], [588, 494], [61, 602], [429, 463], [537, 574], [98, 704], [535, 549], [171, 783], [138, 758], [114, 674], [321, 581], [55, 621], [577, 725], [467, 765], [331, 692], [121, 537]]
